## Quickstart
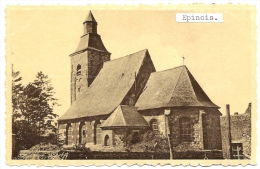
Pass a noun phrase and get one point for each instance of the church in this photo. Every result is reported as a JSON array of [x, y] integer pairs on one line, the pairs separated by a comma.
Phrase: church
[[113, 98]]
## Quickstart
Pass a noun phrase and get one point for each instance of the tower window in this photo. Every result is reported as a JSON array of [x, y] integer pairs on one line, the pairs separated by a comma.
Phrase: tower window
[[79, 70], [185, 129]]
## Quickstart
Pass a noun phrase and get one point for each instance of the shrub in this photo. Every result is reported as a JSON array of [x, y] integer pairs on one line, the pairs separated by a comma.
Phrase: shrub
[[45, 147], [76, 147], [43, 152], [148, 142]]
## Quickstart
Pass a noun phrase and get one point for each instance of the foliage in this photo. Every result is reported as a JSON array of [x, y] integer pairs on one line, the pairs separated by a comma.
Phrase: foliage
[[76, 147], [147, 142], [43, 152], [51, 155], [45, 147], [38, 103], [32, 111], [17, 90]]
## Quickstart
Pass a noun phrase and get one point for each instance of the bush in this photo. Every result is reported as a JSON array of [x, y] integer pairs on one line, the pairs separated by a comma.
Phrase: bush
[[147, 142], [43, 152], [76, 147], [45, 147]]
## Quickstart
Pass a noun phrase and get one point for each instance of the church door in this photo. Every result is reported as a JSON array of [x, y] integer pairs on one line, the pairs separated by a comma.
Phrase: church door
[[106, 141]]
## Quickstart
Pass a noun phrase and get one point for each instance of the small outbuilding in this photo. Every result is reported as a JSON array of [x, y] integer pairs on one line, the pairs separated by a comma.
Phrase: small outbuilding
[[123, 121]]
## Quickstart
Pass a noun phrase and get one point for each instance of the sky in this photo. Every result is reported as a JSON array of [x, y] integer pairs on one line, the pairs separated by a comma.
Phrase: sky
[[221, 56]]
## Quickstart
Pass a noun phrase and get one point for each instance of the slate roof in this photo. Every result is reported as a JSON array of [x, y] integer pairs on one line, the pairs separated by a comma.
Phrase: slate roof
[[108, 89], [90, 41], [90, 18], [173, 88], [125, 116]]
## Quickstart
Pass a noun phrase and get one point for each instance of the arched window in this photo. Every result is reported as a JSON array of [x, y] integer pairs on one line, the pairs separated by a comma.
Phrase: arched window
[[68, 133], [154, 126], [97, 132], [79, 70], [185, 129], [82, 132]]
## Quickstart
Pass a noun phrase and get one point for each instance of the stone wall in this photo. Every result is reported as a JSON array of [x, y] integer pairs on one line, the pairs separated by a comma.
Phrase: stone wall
[[88, 128], [240, 125], [119, 137], [205, 128], [211, 130], [62, 132], [158, 115], [82, 131], [95, 63], [108, 133], [78, 82], [179, 145], [91, 63]]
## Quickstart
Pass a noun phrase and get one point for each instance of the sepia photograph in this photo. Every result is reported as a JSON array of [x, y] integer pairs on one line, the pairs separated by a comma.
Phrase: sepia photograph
[[172, 83]]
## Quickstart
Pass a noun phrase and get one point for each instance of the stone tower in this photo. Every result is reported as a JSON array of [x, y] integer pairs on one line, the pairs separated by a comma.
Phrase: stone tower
[[88, 58]]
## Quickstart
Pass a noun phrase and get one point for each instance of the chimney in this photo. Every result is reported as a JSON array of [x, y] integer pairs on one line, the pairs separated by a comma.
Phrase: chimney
[[228, 132]]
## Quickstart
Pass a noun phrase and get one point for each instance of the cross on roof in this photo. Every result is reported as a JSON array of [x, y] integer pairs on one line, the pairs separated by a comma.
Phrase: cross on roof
[[183, 59]]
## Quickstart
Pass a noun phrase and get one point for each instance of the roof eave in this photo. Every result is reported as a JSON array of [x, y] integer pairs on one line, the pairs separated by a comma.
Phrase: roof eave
[[88, 48], [161, 107]]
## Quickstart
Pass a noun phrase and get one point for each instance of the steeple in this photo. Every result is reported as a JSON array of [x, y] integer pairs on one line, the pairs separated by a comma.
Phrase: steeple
[[90, 24], [88, 58]]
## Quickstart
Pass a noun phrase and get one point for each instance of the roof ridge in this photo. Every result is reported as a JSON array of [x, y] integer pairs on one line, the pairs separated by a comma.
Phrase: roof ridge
[[122, 115], [115, 115], [125, 56], [175, 85], [193, 91], [168, 69], [192, 84]]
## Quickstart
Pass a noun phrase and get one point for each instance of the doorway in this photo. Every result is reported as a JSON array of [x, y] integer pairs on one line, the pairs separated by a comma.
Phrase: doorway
[[106, 141]]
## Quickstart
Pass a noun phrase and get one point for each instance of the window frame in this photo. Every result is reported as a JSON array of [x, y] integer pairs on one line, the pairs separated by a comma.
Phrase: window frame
[[185, 128], [78, 71], [154, 126], [70, 131]]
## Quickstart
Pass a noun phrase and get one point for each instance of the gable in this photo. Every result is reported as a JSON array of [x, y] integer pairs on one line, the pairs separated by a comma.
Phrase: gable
[[109, 88], [125, 116]]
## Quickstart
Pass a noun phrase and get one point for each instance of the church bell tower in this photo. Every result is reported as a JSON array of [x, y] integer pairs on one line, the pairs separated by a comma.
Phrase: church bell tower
[[88, 58]]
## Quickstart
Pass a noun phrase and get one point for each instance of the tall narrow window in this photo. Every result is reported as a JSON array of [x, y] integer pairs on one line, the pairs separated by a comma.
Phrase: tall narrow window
[[154, 125], [185, 129], [84, 133], [70, 131], [79, 70], [97, 132]]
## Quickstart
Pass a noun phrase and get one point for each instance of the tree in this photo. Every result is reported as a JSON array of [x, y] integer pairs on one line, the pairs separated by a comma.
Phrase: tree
[[32, 106], [38, 103], [17, 91], [46, 102]]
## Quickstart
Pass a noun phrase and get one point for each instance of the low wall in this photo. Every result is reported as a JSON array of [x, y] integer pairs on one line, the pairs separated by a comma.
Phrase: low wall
[[77, 155], [146, 155]]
